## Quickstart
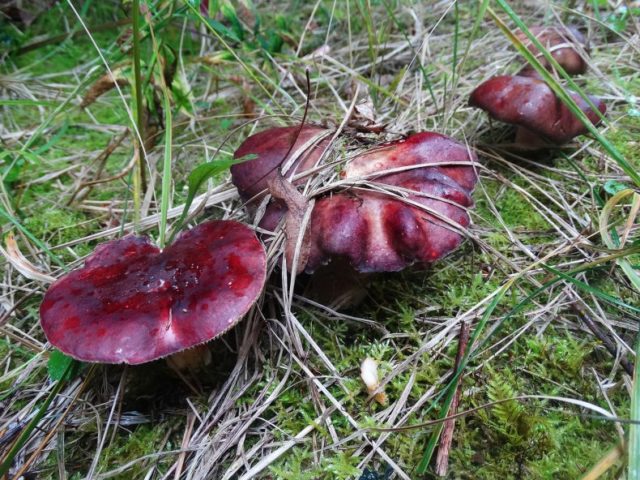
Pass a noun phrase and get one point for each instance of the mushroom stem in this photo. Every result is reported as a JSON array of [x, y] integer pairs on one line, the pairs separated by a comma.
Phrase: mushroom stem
[[530, 139], [191, 359], [338, 285]]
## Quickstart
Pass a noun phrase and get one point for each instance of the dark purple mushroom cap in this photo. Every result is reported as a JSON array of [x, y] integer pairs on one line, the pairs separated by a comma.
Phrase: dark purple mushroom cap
[[271, 146], [132, 303], [378, 232], [561, 42], [530, 103]]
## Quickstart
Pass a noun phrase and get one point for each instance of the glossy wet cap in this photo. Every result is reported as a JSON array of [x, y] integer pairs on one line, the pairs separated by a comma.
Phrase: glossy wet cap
[[132, 303], [531, 104], [378, 232], [562, 43]]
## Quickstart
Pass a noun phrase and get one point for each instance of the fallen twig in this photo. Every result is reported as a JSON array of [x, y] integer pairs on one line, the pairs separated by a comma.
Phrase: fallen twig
[[442, 459]]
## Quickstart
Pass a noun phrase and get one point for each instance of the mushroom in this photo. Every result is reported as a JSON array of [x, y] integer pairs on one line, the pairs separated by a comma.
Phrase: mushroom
[[369, 375], [563, 43], [133, 303], [530, 104], [374, 230], [302, 148], [363, 230], [380, 231]]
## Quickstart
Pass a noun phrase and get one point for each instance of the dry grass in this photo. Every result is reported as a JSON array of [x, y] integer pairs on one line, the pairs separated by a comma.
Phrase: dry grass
[[225, 425]]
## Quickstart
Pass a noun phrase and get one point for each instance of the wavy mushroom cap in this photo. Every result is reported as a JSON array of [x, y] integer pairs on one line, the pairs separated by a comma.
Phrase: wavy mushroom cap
[[418, 151], [531, 104], [563, 44], [381, 231], [132, 303]]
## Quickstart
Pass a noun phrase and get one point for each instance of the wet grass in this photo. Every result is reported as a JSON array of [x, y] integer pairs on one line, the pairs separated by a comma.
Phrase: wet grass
[[526, 208]]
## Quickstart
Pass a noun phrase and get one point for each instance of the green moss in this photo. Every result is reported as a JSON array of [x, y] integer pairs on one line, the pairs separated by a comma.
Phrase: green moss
[[515, 439], [517, 211], [143, 440], [521, 437], [298, 466], [55, 226], [130, 444], [625, 138], [530, 438]]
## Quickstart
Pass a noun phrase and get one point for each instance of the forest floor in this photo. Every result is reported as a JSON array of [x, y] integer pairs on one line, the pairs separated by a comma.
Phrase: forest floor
[[552, 313]]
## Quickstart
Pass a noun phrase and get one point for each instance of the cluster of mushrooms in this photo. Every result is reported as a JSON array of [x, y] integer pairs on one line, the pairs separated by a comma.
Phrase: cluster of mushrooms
[[400, 203]]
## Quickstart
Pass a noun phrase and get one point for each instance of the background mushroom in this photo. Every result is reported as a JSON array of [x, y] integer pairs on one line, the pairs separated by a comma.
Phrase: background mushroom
[[531, 105], [132, 303], [565, 44]]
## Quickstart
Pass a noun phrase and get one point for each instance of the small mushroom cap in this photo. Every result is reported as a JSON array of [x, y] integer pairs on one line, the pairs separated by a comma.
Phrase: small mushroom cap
[[561, 42], [132, 303], [378, 231], [271, 146], [531, 104]]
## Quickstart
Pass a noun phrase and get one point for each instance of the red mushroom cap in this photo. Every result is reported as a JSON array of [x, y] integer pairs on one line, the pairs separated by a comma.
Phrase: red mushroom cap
[[561, 42], [531, 104], [377, 231], [271, 146], [132, 303]]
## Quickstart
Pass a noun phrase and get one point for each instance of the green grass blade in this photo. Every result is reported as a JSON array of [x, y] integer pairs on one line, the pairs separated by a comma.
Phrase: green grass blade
[[23, 102], [168, 135], [482, 8], [137, 93], [529, 298], [166, 168], [195, 9], [607, 232], [196, 179], [416, 56], [454, 55], [595, 291], [451, 387], [634, 427]]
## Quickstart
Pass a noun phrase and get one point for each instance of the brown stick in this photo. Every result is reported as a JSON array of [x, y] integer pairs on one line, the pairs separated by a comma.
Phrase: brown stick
[[442, 459], [297, 205]]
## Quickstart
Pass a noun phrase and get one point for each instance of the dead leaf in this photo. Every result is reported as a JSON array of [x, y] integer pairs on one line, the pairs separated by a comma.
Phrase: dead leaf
[[295, 223], [101, 86], [15, 257]]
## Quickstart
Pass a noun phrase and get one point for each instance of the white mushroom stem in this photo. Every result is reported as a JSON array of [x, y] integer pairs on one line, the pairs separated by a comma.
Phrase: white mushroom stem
[[369, 375]]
